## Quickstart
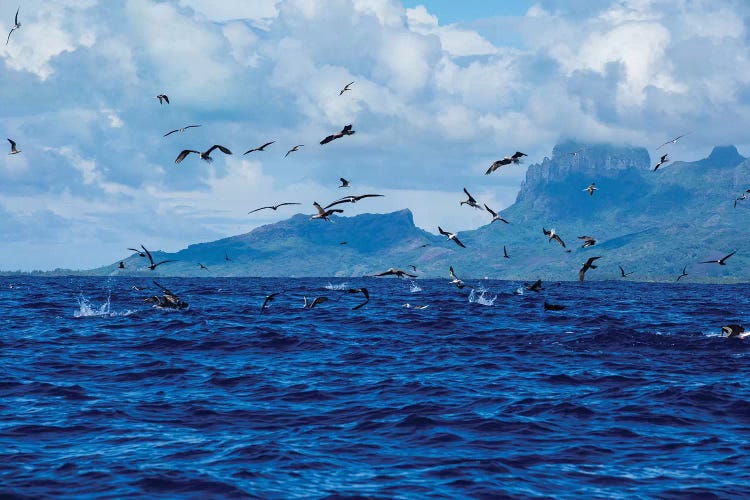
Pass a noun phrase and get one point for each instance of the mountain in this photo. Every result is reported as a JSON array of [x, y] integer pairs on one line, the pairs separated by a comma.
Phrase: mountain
[[649, 222]]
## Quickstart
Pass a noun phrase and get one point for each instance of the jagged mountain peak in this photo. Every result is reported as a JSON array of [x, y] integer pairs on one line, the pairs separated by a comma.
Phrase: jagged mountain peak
[[722, 156]]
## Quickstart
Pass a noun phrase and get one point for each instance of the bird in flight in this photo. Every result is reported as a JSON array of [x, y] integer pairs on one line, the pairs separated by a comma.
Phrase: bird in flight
[[206, 155], [363, 291], [672, 141], [577, 152], [226, 256], [269, 298], [180, 130], [16, 25], [259, 148], [13, 150], [274, 207], [470, 201], [553, 236], [623, 273], [153, 265], [323, 213], [315, 302], [495, 215], [202, 266], [162, 97], [344, 183], [588, 241], [592, 187], [589, 264], [352, 199], [456, 281], [121, 265], [516, 158], [347, 130], [295, 148], [684, 273], [451, 236], [743, 197], [139, 252], [721, 262], [505, 253], [395, 272], [662, 161], [346, 88]]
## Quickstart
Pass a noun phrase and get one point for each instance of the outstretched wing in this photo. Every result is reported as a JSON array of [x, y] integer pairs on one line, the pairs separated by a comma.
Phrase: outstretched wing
[[471, 198], [184, 153], [148, 254], [171, 132], [220, 148]]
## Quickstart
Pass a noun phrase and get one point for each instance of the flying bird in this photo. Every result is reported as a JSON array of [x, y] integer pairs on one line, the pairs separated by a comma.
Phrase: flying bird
[[344, 183], [323, 213], [295, 148], [346, 87], [662, 161], [588, 241], [315, 302], [577, 152], [741, 198], [495, 215], [363, 291], [162, 97], [470, 201], [505, 253], [153, 265], [13, 150], [274, 207], [347, 130], [269, 298], [139, 252], [205, 155], [589, 264], [684, 273], [352, 199], [395, 272], [592, 187], [226, 256], [180, 130], [672, 141], [413, 267], [516, 158], [623, 273], [16, 25], [734, 331], [456, 281], [553, 236], [721, 262], [202, 266], [121, 265], [451, 236], [259, 148]]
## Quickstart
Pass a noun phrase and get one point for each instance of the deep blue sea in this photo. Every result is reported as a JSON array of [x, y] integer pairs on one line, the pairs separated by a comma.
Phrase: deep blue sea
[[631, 391]]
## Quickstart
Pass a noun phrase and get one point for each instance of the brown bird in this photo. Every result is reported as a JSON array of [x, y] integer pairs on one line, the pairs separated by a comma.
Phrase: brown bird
[[347, 130], [553, 236], [352, 199], [344, 183], [588, 241], [13, 150], [721, 261], [205, 155], [395, 272], [346, 87], [259, 148], [495, 215], [324, 214], [589, 264], [153, 265], [516, 158], [662, 161], [274, 207], [162, 97], [470, 201]]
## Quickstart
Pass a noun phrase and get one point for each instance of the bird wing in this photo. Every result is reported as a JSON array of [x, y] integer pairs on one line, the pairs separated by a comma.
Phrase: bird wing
[[171, 132], [458, 242], [546, 233], [591, 261], [318, 300], [452, 274], [725, 258], [192, 126], [184, 153], [386, 273], [319, 208], [367, 196], [347, 128], [11, 32], [622, 271], [444, 233], [342, 200], [517, 155], [17, 10], [163, 288], [490, 210], [261, 208], [287, 203], [471, 198], [163, 262], [166, 98], [559, 240], [329, 138], [220, 148], [148, 254], [12, 144], [582, 272]]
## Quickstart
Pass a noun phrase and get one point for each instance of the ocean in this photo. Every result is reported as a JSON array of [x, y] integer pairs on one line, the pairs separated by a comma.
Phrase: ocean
[[630, 391]]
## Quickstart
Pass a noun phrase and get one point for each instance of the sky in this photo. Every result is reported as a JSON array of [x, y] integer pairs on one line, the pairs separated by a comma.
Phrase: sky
[[441, 90]]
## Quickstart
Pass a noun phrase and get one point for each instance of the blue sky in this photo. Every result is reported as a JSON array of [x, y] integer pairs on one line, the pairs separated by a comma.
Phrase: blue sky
[[442, 90]]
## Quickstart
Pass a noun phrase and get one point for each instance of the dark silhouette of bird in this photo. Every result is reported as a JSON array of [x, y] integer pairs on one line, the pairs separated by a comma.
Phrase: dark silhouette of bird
[[206, 155], [684, 273], [455, 279], [553, 236], [315, 302], [672, 141], [13, 150], [139, 252], [515, 158], [505, 253], [168, 300], [589, 264], [295, 148], [16, 25], [577, 152], [162, 97], [153, 265], [721, 262], [534, 287], [588, 241], [226, 256], [395, 272], [202, 266], [451, 236], [734, 331], [742, 197], [414, 268], [347, 130], [553, 307], [344, 183], [352, 199], [662, 161], [623, 273], [495, 215], [259, 148], [363, 291], [325, 213], [269, 298], [346, 88], [180, 130], [470, 201], [121, 265], [592, 187], [274, 207]]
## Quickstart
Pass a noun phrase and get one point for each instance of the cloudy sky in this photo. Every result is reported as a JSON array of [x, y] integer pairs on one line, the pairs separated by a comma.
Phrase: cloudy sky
[[441, 91]]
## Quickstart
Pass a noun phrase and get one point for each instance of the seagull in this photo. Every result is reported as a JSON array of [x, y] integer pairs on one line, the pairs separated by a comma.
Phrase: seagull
[[346, 87], [161, 97], [315, 302], [721, 262], [734, 331], [662, 161], [274, 207], [505, 253], [151, 260], [672, 141], [259, 148], [553, 236], [180, 130], [269, 298], [395, 272], [344, 183], [295, 148], [202, 266], [352, 199], [347, 130], [456, 281], [205, 155], [324, 214], [516, 158], [684, 273], [451, 236], [534, 287], [13, 150], [592, 187], [588, 241], [623, 273], [139, 252], [495, 215], [470, 201], [16, 25], [589, 264]]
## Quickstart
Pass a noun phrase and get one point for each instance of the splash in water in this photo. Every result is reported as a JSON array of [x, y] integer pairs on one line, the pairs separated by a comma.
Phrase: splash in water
[[86, 310], [481, 296], [414, 288], [338, 286]]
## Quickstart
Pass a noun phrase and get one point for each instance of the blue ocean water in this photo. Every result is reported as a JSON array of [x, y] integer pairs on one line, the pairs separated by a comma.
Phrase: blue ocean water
[[629, 392]]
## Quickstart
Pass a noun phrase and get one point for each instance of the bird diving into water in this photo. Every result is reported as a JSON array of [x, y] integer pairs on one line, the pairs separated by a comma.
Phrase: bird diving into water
[[721, 262], [451, 236], [259, 148], [13, 150], [455, 279], [16, 25], [347, 130], [516, 158], [205, 155], [180, 130], [274, 207]]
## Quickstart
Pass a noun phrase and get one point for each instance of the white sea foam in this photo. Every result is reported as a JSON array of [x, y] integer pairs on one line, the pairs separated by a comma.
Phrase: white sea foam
[[414, 288], [338, 286], [482, 297], [86, 310]]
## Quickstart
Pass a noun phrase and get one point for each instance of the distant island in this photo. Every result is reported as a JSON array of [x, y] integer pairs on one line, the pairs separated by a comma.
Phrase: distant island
[[650, 223]]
